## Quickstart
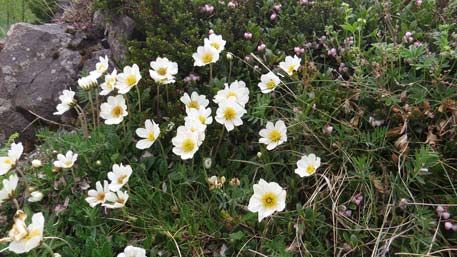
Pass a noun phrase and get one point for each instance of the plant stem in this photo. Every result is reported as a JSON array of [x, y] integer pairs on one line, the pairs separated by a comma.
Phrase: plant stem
[[210, 72], [97, 103], [139, 97], [219, 142], [83, 119], [92, 107], [158, 99]]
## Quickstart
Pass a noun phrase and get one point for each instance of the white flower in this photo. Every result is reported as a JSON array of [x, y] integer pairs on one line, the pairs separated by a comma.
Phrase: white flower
[[216, 42], [128, 79], [33, 237], [9, 186], [274, 134], [267, 198], [67, 100], [116, 200], [119, 176], [203, 115], [163, 71], [36, 163], [150, 133], [237, 91], [185, 143], [114, 110], [194, 101], [66, 161], [229, 114], [268, 82], [290, 65], [100, 67], [98, 196], [8, 162], [308, 165], [110, 81], [205, 55], [88, 82], [131, 251], [35, 196], [195, 126]]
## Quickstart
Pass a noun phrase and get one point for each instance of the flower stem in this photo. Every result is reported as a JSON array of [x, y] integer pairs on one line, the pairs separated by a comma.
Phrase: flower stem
[[82, 118], [139, 97], [158, 99], [210, 72], [97, 103], [93, 109], [219, 142]]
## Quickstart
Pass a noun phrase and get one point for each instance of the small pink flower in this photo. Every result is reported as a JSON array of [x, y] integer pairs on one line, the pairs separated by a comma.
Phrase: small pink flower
[[273, 16], [417, 43], [439, 209], [248, 58], [448, 225], [210, 32], [328, 130], [277, 7], [231, 5], [445, 215], [303, 2], [332, 52], [209, 8], [247, 35], [418, 3], [261, 47], [299, 50]]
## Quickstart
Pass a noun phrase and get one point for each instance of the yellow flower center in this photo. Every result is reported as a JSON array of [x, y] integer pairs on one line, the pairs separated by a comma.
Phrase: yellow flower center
[[131, 80], [101, 67], [188, 145], [229, 113], [193, 104], [215, 45], [120, 200], [120, 179], [274, 135], [231, 93], [269, 200], [162, 71], [110, 83], [151, 136], [310, 169], [8, 161], [32, 234], [207, 58], [100, 197], [291, 68], [270, 84], [68, 163], [117, 111], [202, 119]]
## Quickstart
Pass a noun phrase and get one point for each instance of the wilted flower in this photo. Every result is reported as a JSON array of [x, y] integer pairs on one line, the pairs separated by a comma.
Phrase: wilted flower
[[234, 182], [163, 70], [24, 242], [150, 133], [290, 64], [205, 55], [67, 102], [229, 114], [267, 198], [35, 196], [268, 82], [110, 82], [402, 143], [308, 165], [8, 162], [128, 79], [66, 161], [216, 182], [88, 82], [9, 186], [274, 134], [216, 42], [114, 110], [119, 176], [131, 251], [237, 91]]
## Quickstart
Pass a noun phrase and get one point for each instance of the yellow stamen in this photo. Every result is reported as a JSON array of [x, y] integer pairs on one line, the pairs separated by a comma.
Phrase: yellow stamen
[[100, 197], [8, 161], [231, 93], [207, 58], [151, 136], [310, 169], [131, 80], [269, 200], [188, 145], [32, 234], [274, 135], [162, 71], [117, 111], [229, 113], [270, 84], [202, 119], [193, 104], [120, 179], [68, 163], [215, 45], [291, 68]]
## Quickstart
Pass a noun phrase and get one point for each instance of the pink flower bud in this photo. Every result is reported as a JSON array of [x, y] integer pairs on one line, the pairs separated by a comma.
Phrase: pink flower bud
[[445, 215], [248, 58], [299, 50], [273, 16], [328, 130], [247, 35], [231, 5], [448, 225], [261, 47], [210, 32], [277, 7], [418, 3], [303, 2], [439, 209], [332, 52]]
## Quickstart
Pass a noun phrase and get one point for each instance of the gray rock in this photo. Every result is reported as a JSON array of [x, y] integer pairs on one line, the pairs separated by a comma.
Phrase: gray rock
[[12, 121]]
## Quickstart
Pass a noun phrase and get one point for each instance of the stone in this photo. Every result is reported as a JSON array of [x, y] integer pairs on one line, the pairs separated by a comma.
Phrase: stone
[[12, 121]]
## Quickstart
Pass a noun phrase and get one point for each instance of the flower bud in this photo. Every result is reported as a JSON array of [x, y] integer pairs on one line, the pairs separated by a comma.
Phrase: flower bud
[[207, 163], [261, 47], [247, 35], [273, 16], [98, 163], [35, 196], [36, 163], [445, 215], [448, 225], [229, 56]]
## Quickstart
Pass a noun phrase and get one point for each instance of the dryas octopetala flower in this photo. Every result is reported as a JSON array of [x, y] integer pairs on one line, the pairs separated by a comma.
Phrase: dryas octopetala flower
[[119, 176], [66, 161], [8, 162], [267, 198], [195, 126], [291, 64], [101, 67], [35, 196], [98, 196], [268, 82], [205, 55], [9, 186], [26, 238], [150, 133], [274, 134], [203, 115], [229, 114], [307, 165], [216, 42], [88, 82], [163, 71], [185, 143], [237, 91], [114, 110], [67, 100], [194, 101], [110, 81], [116, 200], [132, 251], [128, 79]]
